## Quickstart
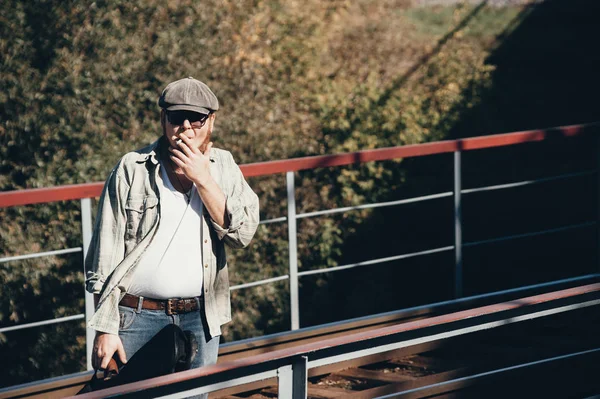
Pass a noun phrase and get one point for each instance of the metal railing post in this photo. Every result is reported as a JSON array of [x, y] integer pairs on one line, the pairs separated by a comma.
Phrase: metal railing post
[[293, 252], [458, 272], [86, 229], [292, 379]]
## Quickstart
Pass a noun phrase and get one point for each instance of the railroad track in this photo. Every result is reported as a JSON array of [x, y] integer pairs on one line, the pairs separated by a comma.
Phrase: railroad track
[[460, 366], [550, 357]]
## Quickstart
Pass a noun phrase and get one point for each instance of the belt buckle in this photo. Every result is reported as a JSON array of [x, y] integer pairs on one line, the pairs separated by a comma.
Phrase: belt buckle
[[172, 308], [177, 306]]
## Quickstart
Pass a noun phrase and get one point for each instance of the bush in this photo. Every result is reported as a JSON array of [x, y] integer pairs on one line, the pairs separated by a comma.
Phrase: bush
[[80, 84]]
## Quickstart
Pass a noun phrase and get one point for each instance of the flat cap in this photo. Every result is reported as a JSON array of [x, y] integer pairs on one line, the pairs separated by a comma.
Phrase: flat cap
[[188, 94]]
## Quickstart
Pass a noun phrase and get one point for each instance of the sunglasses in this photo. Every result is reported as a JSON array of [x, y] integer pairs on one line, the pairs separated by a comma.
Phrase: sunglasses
[[177, 118]]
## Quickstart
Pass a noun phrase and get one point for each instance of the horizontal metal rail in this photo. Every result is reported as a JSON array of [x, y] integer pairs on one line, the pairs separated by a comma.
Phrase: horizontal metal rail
[[508, 291], [41, 254], [279, 219], [81, 316], [79, 249], [259, 282], [43, 323], [528, 182], [374, 205], [224, 384], [443, 249], [375, 261], [431, 196], [536, 233]]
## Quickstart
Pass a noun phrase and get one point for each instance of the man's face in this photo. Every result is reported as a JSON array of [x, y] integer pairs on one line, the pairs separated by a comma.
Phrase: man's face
[[197, 127]]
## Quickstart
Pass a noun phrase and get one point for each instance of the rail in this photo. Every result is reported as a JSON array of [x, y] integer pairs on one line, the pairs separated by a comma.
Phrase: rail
[[84, 193]]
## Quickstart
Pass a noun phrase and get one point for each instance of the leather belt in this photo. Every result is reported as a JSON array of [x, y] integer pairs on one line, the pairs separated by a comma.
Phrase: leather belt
[[170, 306]]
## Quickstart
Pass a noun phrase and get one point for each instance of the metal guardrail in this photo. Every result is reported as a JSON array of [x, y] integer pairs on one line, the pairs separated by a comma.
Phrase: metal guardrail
[[43, 323], [41, 254], [86, 191]]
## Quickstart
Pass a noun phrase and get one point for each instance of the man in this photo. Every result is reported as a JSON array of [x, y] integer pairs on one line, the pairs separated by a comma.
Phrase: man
[[157, 255]]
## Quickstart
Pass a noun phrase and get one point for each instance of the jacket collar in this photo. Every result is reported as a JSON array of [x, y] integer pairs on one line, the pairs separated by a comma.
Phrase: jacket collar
[[149, 153]]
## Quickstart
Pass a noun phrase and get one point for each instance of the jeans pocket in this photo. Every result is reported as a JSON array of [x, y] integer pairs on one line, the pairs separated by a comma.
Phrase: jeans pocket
[[126, 317]]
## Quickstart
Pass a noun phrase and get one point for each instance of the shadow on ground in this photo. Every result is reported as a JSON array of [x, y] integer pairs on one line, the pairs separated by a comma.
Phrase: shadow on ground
[[546, 75]]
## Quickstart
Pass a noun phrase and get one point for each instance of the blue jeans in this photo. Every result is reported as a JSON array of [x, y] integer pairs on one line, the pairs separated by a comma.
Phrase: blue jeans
[[137, 328]]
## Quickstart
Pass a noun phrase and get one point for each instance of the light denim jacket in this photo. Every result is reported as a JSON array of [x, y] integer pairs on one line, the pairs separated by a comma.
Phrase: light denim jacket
[[128, 217]]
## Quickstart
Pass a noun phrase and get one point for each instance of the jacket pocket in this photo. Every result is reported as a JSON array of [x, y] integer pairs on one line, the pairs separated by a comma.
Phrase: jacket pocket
[[141, 214]]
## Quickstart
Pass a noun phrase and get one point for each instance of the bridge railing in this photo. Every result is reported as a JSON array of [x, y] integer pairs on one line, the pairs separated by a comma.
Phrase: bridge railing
[[84, 193]]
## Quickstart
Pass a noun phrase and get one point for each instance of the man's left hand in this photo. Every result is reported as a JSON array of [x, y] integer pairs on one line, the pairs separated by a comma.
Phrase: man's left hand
[[194, 164]]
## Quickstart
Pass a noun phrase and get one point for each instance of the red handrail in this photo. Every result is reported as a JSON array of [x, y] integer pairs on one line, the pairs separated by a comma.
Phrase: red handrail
[[90, 190], [50, 194]]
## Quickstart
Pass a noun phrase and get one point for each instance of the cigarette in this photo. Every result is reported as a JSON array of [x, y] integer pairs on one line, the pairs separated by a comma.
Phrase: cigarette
[[178, 141]]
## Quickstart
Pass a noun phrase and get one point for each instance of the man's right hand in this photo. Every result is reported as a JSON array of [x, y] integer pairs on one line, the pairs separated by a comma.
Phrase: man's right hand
[[105, 346]]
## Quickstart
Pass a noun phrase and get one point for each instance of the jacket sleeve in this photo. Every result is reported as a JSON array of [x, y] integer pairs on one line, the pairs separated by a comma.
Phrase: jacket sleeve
[[241, 207], [107, 247]]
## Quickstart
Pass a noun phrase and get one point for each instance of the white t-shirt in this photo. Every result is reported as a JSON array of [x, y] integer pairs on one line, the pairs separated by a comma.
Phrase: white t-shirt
[[171, 267]]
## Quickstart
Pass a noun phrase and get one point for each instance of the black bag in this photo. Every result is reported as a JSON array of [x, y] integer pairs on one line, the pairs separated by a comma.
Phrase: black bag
[[169, 351]]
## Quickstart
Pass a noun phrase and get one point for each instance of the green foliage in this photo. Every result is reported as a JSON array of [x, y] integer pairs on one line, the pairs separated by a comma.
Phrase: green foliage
[[80, 82]]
